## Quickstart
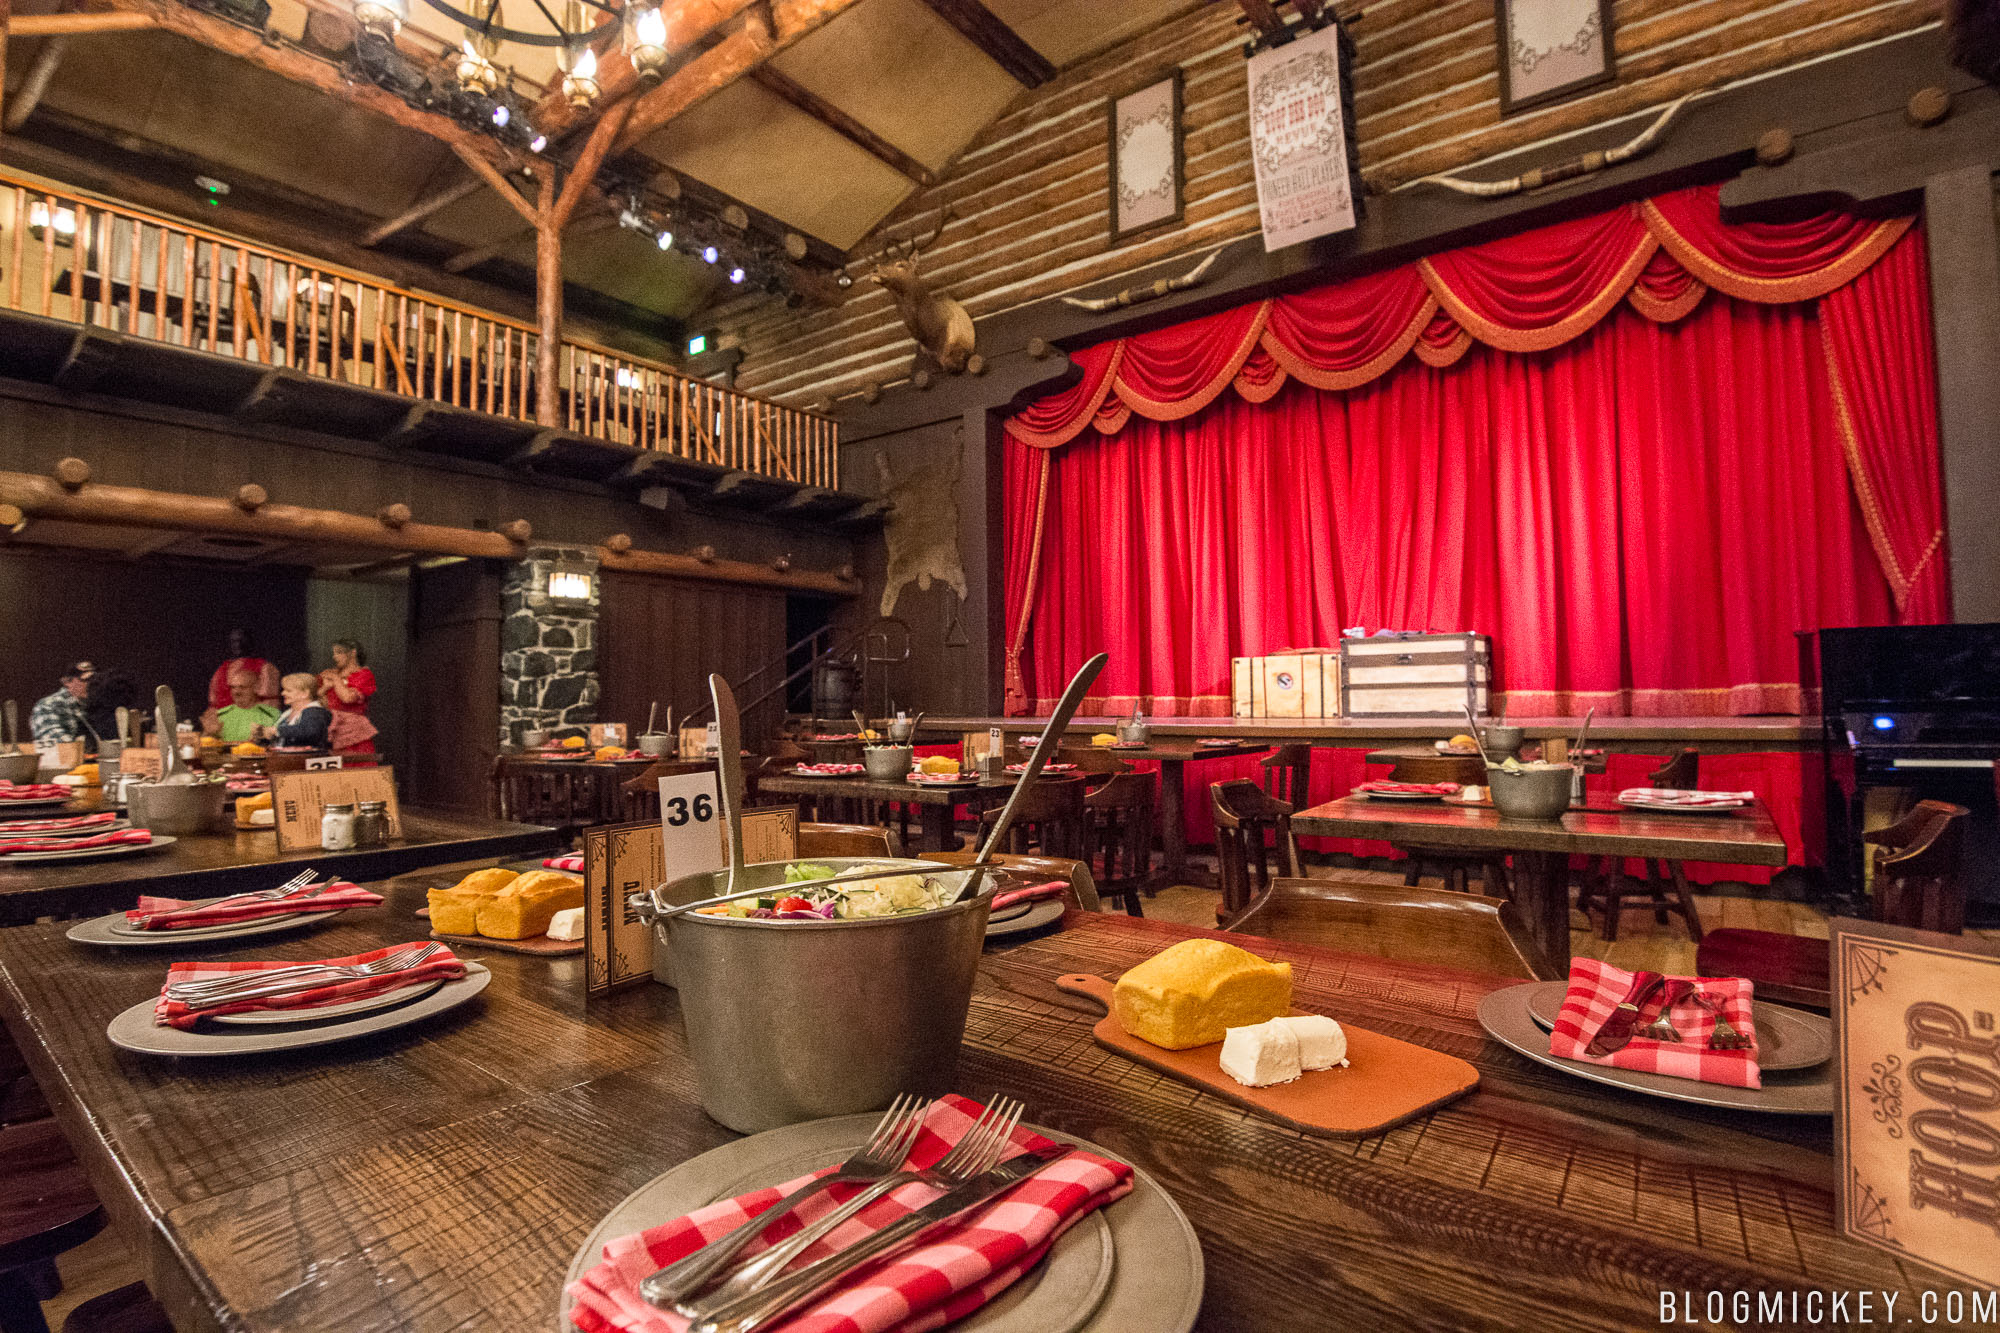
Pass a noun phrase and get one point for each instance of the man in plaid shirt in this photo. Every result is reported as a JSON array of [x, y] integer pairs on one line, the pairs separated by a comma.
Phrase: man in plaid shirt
[[59, 716]]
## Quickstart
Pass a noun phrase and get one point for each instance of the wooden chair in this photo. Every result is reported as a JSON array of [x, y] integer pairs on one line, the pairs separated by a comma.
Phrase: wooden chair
[[1121, 835], [1038, 870], [1917, 884], [566, 797], [1051, 818], [46, 1207], [1288, 774], [817, 840], [1666, 886], [639, 797], [1917, 866], [1245, 816], [1097, 764], [127, 1309], [1461, 930], [1455, 865]]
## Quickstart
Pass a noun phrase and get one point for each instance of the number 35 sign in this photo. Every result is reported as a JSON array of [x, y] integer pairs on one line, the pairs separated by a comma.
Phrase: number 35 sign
[[1918, 1110]]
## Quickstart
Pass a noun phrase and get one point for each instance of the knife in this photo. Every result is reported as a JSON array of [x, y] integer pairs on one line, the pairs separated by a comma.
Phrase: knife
[[1617, 1030], [788, 1293]]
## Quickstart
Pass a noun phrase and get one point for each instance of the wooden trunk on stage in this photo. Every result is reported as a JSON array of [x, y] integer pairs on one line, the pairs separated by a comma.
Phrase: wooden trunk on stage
[[1294, 682], [1416, 675]]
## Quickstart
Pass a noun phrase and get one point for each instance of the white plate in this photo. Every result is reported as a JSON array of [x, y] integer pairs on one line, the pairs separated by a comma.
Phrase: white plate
[[134, 1029], [89, 853], [111, 929], [367, 1004], [1039, 914], [1082, 1285], [1786, 1038], [1505, 1016]]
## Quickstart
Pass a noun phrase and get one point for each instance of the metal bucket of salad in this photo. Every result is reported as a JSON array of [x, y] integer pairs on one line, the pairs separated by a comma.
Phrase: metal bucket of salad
[[821, 1001]]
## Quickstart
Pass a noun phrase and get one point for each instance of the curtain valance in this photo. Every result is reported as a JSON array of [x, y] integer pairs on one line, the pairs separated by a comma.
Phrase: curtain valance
[[1523, 293]]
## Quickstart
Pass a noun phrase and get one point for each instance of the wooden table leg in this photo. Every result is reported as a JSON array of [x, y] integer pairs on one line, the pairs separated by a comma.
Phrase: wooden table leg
[[1173, 825], [1541, 892], [938, 833]]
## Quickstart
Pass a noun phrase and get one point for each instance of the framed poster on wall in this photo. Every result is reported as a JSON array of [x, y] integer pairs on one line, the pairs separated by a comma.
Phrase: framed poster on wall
[[1145, 128], [1551, 49]]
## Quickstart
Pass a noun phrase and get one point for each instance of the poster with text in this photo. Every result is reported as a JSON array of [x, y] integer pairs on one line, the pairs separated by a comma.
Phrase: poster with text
[[1298, 140]]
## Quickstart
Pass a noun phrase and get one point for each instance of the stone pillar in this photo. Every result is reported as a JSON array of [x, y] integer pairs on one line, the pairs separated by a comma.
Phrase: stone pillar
[[548, 647]]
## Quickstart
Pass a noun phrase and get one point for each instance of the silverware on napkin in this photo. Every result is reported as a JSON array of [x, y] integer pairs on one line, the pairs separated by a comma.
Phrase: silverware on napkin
[[1616, 1034]]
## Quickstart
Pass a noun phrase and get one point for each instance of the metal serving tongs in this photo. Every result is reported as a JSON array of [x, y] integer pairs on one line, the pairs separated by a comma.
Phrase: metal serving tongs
[[729, 770], [167, 719], [1050, 742]]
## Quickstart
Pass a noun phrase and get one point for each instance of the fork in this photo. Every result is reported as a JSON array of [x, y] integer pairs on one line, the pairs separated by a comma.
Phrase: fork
[[977, 1151], [264, 985], [881, 1155], [292, 885], [1725, 1037], [1662, 1028]]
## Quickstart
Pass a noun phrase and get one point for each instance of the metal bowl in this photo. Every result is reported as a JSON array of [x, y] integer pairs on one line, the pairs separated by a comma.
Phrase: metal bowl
[[887, 763], [20, 766], [656, 744], [1504, 740], [799, 1020], [177, 808], [1530, 793]]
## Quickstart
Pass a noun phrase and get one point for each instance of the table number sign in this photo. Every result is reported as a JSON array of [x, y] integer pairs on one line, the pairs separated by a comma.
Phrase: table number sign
[[607, 733], [619, 860], [299, 797], [1917, 1115], [323, 763], [144, 764]]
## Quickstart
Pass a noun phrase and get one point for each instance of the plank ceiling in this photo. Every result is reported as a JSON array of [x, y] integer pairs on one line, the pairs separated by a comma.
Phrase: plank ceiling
[[895, 67]]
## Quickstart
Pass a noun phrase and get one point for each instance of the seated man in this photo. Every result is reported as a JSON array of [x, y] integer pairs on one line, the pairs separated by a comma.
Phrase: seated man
[[238, 720], [59, 716]]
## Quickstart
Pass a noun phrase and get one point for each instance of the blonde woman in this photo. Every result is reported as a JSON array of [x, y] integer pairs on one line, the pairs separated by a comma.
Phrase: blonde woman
[[303, 723]]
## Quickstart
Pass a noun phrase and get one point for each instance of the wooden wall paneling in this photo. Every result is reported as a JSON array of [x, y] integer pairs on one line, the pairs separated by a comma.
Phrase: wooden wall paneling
[[659, 638], [157, 621], [453, 709], [1960, 227]]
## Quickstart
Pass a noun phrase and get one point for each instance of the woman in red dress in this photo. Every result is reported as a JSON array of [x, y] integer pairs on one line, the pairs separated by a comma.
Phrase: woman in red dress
[[345, 688]]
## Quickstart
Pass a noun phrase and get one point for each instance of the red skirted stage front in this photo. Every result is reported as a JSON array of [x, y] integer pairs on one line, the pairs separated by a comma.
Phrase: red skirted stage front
[[1639, 449]]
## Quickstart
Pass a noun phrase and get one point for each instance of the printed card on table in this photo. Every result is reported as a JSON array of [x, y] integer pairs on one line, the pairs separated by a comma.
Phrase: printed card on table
[[1917, 1118], [619, 860], [299, 798]]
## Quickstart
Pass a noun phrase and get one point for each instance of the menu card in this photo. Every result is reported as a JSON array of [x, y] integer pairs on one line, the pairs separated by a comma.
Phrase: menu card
[[619, 860], [300, 797], [1917, 1115]]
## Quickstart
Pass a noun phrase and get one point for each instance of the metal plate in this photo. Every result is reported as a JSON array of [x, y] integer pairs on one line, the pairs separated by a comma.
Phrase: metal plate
[[34, 803], [1504, 1014], [1647, 809], [326, 1013], [106, 929], [88, 853], [1139, 1256], [115, 826], [134, 1029], [1433, 796], [1786, 1038], [1039, 914]]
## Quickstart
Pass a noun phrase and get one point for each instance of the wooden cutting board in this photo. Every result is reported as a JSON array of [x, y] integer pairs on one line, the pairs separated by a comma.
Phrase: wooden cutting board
[[1385, 1082], [540, 945]]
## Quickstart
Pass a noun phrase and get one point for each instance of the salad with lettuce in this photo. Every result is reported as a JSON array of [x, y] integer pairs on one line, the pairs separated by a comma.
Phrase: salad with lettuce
[[895, 894]]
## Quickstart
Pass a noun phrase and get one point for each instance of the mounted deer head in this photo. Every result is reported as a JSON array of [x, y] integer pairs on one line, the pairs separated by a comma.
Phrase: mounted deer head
[[940, 325]]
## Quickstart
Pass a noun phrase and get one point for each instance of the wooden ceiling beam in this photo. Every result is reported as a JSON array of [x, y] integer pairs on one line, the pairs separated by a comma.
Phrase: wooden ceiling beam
[[689, 23], [773, 80], [489, 173], [755, 40], [422, 209], [79, 24], [1002, 45], [1263, 15], [289, 62], [24, 102]]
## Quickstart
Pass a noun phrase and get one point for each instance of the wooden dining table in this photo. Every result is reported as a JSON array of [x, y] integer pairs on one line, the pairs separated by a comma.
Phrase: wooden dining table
[[1173, 757], [936, 806], [1541, 848], [442, 1177], [236, 860]]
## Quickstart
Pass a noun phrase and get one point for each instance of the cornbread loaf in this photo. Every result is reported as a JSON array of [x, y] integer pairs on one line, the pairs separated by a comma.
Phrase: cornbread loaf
[[255, 809], [526, 906], [245, 750], [455, 911], [937, 763], [1193, 993]]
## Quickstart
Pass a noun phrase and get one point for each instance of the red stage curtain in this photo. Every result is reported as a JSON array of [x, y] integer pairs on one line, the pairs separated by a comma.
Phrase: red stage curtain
[[1640, 518]]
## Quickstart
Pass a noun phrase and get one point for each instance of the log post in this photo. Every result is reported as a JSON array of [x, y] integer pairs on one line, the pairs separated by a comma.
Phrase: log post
[[6, 22], [548, 301]]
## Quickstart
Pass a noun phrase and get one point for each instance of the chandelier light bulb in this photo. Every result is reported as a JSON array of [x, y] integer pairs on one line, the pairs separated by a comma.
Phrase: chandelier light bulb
[[383, 17], [475, 71], [580, 83], [646, 42]]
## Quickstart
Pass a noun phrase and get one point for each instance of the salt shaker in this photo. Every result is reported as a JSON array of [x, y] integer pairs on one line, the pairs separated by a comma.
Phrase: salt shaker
[[336, 827]]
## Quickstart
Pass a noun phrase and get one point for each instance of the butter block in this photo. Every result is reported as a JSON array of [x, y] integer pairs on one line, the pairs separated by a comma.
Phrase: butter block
[[1322, 1044], [525, 907], [1261, 1054], [567, 924], [1194, 992]]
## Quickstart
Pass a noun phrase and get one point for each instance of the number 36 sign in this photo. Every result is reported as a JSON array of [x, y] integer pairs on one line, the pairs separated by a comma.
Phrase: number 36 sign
[[691, 832], [1918, 1110]]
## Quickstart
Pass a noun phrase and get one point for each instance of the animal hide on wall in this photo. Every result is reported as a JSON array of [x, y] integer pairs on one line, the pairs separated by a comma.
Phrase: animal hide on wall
[[922, 529]]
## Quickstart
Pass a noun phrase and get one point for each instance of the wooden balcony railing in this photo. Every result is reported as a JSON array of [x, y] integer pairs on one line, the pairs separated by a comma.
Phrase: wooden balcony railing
[[76, 257]]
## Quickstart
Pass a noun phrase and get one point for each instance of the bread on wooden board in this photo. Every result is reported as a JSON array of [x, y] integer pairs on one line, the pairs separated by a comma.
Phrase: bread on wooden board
[[1193, 992]]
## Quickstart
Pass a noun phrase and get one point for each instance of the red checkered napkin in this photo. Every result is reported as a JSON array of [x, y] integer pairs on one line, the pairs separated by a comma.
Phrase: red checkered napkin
[[444, 964], [1053, 889], [572, 863], [128, 835], [1595, 989], [1673, 796], [1409, 788], [175, 914], [912, 1290], [66, 824]]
